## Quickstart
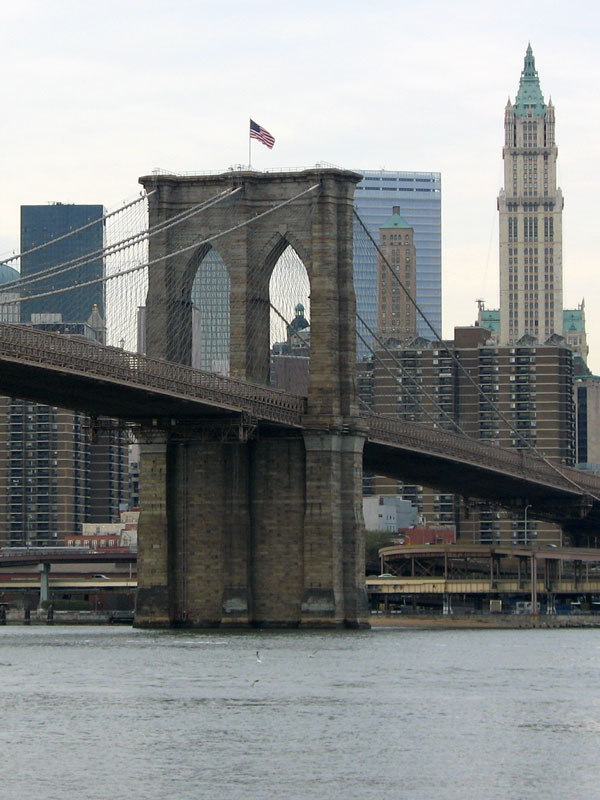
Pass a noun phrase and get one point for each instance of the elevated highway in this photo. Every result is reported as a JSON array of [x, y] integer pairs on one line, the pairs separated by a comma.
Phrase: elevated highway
[[472, 570]]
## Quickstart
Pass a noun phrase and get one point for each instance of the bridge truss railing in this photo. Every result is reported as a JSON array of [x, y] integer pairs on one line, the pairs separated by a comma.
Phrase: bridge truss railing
[[436, 441], [79, 356], [89, 358]]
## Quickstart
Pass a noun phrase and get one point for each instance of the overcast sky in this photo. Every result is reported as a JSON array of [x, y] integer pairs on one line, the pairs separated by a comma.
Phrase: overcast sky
[[97, 94]]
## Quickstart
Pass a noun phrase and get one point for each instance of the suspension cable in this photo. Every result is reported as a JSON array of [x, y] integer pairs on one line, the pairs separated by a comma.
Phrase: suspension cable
[[167, 256], [117, 247], [425, 411], [390, 353], [78, 230], [465, 372]]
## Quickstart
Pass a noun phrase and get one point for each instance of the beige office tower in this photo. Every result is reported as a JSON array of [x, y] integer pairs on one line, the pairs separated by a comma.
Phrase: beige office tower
[[530, 206], [396, 286]]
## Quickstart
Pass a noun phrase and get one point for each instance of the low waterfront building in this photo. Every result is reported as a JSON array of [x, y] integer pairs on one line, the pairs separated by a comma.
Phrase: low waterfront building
[[388, 513]]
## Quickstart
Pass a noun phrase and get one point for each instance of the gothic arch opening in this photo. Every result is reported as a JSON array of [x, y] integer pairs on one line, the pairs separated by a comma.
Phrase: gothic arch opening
[[289, 296], [210, 298]]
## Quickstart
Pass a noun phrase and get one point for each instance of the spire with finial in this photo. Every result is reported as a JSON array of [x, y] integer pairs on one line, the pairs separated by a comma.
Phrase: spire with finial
[[529, 100]]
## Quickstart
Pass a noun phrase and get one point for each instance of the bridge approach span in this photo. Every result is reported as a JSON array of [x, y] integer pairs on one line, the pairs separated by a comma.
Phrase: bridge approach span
[[74, 373], [475, 469]]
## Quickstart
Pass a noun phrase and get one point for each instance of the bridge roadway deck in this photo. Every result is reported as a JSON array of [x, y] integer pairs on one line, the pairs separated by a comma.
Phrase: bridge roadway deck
[[74, 373]]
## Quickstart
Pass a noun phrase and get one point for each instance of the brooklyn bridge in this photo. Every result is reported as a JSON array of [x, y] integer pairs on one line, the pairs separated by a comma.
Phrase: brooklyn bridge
[[251, 498]]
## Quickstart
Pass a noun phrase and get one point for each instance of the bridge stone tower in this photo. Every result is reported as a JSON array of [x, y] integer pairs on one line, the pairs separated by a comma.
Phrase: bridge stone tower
[[264, 529]]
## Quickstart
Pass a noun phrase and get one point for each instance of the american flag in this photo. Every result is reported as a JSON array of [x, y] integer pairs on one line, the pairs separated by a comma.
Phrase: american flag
[[256, 132]]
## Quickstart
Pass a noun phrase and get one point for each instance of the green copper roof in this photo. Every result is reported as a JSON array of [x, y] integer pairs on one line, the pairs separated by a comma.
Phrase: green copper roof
[[8, 274], [529, 97], [490, 319], [573, 320], [396, 221]]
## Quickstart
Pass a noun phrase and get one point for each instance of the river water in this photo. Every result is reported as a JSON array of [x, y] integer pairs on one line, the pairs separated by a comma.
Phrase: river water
[[95, 713]]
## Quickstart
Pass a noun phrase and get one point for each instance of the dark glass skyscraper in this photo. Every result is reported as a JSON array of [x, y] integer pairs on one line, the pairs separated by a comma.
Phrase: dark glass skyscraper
[[52, 477], [42, 224]]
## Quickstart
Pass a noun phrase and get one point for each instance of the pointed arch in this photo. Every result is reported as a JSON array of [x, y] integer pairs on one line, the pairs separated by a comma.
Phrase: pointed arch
[[289, 297], [276, 246], [210, 302]]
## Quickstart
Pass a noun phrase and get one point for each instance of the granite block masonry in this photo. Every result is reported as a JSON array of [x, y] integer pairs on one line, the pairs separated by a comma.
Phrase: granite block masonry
[[265, 529]]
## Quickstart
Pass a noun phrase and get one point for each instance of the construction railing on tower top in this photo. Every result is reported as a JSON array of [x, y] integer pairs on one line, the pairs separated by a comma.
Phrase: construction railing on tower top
[[320, 165], [78, 355]]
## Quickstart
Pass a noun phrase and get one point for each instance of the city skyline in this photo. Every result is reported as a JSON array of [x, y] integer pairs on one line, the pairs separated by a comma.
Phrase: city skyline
[[92, 112]]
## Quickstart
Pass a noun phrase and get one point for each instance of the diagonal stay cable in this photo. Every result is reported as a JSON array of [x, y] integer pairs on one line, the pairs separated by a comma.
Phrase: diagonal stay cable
[[433, 401], [427, 413], [117, 247], [296, 333], [167, 256], [78, 230], [465, 372]]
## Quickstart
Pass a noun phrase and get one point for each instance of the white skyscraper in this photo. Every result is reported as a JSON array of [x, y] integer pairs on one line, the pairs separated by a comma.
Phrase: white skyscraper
[[530, 206]]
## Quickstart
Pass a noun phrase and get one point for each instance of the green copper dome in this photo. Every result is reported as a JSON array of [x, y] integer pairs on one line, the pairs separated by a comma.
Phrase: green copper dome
[[530, 99], [8, 274]]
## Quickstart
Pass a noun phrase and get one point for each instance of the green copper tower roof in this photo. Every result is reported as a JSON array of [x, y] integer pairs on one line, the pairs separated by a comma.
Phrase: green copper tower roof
[[530, 99], [396, 221], [490, 319], [573, 320]]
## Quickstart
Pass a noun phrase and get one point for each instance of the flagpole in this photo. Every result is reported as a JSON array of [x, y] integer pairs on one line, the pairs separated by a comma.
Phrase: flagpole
[[249, 149]]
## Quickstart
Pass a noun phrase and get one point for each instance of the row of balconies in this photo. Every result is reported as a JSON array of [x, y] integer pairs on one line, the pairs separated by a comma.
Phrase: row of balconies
[[42, 452], [44, 425], [521, 369], [488, 514], [43, 507], [444, 517], [519, 524], [490, 397]]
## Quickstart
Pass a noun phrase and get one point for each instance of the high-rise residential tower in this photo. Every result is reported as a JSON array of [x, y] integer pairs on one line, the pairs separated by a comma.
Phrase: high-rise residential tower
[[530, 385], [530, 206]]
